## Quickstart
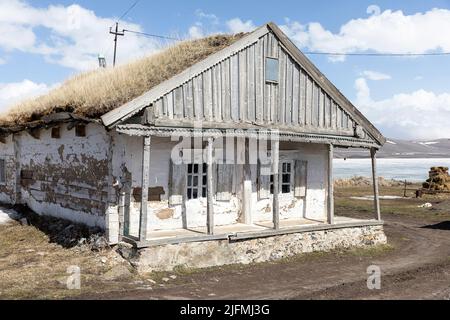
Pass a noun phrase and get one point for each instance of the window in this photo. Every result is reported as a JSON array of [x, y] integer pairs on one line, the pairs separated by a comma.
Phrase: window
[[285, 176], [56, 134], [272, 70], [80, 130], [196, 181], [2, 171]]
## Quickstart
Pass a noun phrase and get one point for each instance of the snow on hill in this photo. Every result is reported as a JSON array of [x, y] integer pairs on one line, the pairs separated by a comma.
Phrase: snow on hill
[[395, 148]]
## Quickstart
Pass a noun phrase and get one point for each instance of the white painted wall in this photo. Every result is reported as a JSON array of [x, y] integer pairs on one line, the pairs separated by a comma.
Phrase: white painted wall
[[128, 153], [91, 153], [70, 178], [314, 206]]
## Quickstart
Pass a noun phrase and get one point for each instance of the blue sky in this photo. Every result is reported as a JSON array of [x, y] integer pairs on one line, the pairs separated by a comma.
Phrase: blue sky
[[45, 42]]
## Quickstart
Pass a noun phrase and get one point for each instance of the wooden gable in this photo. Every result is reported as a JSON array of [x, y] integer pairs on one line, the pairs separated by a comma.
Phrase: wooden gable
[[234, 89]]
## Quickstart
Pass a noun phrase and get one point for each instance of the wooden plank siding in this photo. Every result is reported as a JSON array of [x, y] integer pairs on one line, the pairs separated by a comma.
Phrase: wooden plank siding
[[235, 91]]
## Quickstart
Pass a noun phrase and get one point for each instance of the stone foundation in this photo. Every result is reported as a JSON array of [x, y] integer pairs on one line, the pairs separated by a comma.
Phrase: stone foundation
[[218, 253]]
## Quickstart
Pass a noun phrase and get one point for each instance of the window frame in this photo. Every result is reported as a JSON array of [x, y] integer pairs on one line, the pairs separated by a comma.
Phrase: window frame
[[266, 69], [201, 175], [291, 163]]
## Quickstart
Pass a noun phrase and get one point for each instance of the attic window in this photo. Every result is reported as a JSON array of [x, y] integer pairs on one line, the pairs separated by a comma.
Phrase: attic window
[[80, 130], [56, 134], [272, 70]]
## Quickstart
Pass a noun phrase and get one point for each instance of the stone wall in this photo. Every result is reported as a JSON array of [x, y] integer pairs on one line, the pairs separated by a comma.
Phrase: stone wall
[[217, 253]]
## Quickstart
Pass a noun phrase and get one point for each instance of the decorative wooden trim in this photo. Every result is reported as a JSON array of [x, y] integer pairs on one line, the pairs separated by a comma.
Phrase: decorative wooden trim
[[337, 141]]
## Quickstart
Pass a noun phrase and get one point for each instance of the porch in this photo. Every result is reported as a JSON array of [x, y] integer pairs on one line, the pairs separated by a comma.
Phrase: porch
[[241, 231], [147, 235]]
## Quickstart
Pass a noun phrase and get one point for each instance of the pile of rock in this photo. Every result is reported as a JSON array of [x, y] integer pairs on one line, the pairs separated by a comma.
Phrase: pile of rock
[[439, 179]]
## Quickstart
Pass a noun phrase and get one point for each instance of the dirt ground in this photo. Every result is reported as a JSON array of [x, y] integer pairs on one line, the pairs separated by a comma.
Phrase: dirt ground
[[414, 265]]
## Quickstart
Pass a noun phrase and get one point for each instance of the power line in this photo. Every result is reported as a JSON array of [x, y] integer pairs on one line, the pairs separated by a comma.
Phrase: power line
[[129, 10], [380, 54], [152, 35]]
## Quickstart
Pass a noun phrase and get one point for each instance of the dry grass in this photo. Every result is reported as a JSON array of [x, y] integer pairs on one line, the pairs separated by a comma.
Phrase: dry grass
[[31, 267], [94, 93], [365, 182]]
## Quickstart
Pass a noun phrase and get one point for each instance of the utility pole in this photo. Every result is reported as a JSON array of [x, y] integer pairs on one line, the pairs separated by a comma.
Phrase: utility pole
[[116, 33]]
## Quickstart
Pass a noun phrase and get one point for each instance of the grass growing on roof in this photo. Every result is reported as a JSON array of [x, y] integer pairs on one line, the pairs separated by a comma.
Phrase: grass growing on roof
[[95, 93]]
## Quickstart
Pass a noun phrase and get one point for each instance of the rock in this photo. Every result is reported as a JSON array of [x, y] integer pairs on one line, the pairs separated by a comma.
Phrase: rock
[[117, 272], [127, 251], [173, 277], [98, 242], [103, 260], [24, 222], [426, 205], [165, 279], [151, 281]]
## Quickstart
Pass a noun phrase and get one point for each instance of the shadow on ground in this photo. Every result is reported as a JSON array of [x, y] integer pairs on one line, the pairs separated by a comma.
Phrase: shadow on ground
[[62, 232], [445, 225]]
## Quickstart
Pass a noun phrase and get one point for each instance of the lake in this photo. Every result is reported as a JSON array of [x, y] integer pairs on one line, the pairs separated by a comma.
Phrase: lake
[[414, 170]]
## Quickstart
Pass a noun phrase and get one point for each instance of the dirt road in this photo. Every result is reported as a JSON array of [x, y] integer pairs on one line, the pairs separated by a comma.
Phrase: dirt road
[[417, 267]]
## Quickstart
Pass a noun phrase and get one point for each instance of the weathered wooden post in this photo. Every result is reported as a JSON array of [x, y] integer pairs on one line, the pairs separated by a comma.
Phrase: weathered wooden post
[[247, 185], [330, 202], [276, 186], [144, 190], [209, 189], [373, 153]]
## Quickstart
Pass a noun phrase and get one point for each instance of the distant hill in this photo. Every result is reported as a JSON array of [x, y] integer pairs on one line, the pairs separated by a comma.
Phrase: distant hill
[[395, 148]]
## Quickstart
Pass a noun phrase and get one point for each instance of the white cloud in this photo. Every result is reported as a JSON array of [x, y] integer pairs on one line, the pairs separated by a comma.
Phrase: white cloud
[[236, 25], [209, 16], [2, 61], [419, 114], [11, 93], [375, 75], [384, 32], [196, 32], [75, 35]]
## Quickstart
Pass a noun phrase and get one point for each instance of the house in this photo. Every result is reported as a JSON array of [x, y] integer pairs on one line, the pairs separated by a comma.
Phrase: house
[[233, 145]]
